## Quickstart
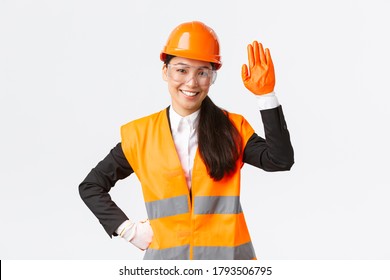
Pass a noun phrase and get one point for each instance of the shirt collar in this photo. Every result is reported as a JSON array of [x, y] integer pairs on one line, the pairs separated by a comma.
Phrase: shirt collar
[[176, 119]]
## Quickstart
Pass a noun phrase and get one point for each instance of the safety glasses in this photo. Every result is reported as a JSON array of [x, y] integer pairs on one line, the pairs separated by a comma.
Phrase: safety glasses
[[183, 73]]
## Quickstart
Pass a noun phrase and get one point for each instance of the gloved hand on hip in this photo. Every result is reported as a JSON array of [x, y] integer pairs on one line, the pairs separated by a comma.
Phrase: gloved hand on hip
[[143, 235], [140, 234]]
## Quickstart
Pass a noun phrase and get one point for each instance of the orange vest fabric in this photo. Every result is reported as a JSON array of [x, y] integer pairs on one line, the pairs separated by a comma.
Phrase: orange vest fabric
[[210, 223]]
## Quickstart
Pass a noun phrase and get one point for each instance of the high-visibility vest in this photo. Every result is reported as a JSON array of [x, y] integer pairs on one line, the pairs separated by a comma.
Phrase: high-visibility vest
[[209, 224]]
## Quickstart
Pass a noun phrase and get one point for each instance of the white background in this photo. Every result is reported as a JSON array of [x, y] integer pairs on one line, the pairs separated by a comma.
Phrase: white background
[[72, 72]]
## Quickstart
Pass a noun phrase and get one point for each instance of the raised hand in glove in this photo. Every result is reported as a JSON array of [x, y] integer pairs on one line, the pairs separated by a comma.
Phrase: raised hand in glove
[[261, 76]]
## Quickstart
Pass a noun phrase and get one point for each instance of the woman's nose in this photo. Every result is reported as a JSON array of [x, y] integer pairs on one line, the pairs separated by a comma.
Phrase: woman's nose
[[193, 81]]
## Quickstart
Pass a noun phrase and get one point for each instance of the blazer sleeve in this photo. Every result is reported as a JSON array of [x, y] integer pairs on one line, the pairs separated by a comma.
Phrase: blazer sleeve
[[275, 152], [94, 190]]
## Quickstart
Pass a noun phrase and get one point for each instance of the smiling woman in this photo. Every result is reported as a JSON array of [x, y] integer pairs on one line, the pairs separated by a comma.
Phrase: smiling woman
[[188, 156], [187, 83]]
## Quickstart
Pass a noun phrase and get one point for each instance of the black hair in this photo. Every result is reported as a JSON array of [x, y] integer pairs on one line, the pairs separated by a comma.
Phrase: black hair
[[219, 141]]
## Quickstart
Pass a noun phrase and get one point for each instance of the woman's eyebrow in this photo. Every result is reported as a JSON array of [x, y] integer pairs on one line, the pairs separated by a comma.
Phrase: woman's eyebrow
[[187, 65]]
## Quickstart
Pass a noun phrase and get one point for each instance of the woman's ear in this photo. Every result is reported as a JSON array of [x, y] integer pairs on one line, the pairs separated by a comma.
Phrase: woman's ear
[[164, 72]]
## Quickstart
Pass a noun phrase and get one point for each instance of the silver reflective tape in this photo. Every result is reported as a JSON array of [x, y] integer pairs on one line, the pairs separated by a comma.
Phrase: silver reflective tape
[[217, 205], [241, 252], [174, 253], [167, 207]]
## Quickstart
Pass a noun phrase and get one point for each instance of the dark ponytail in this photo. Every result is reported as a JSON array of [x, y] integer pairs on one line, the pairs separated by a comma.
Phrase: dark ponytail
[[219, 142]]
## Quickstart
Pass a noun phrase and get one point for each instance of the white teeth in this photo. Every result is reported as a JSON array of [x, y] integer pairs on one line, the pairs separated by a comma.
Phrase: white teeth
[[189, 93]]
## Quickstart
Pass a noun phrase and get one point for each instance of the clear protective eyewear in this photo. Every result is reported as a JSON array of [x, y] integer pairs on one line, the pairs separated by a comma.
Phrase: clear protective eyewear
[[183, 73]]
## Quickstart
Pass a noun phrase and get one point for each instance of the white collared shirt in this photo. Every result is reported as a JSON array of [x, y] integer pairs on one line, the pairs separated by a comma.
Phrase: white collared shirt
[[185, 137]]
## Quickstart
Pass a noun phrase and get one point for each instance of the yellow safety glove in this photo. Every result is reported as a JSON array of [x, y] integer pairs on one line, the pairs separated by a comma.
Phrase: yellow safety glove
[[261, 77]]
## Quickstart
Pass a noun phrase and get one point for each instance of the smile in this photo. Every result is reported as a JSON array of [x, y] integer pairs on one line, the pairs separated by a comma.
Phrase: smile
[[189, 93]]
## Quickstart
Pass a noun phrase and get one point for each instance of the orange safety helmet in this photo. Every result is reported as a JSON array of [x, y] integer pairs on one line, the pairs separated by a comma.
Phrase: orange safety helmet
[[193, 40]]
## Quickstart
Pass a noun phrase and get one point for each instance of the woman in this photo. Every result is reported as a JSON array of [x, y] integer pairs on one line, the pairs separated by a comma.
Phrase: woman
[[188, 156]]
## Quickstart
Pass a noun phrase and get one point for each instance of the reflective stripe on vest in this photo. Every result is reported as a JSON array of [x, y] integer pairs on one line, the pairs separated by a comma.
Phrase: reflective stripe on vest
[[241, 252], [203, 205], [175, 253], [167, 207], [217, 205]]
